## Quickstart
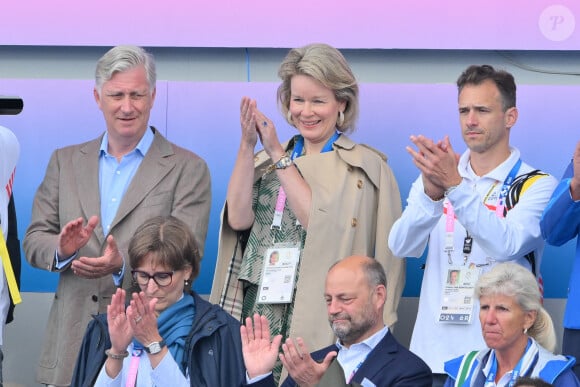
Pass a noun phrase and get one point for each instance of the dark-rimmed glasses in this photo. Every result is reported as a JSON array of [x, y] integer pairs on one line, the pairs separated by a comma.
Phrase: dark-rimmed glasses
[[162, 278]]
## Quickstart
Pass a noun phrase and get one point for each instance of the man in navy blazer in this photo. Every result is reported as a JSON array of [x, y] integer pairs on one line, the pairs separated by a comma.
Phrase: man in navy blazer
[[365, 354]]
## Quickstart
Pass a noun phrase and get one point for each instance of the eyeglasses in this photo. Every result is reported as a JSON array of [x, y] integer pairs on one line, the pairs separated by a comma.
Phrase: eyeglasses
[[162, 278]]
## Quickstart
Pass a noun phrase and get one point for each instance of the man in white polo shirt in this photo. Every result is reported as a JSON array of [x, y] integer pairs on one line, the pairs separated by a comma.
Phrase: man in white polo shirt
[[473, 211]]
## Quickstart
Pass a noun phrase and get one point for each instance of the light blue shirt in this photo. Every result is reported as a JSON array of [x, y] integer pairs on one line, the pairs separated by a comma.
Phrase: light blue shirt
[[115, 176], [167, 373], [352, 358]]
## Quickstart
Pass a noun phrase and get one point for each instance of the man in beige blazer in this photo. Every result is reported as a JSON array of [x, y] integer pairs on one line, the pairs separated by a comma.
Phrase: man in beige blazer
[[93, 197]]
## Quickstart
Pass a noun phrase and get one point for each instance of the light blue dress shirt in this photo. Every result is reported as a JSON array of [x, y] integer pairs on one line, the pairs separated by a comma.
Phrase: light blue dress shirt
[[352, 358]]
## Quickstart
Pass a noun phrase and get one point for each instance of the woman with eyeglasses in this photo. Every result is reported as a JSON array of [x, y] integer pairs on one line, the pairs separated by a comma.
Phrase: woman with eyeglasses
[[166, 335]]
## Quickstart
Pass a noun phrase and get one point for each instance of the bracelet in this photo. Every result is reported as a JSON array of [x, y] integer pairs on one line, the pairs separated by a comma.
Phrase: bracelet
[[116, 356]]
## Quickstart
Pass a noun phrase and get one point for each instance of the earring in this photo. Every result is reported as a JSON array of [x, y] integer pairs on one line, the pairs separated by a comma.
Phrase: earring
[[186, 283], [289, 118], [525, 331], [340, 120]]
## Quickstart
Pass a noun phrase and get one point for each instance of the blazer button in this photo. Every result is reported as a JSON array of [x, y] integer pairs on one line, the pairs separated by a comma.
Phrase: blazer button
[[353, 222], [95, 298], [349, 168], [359, 184]]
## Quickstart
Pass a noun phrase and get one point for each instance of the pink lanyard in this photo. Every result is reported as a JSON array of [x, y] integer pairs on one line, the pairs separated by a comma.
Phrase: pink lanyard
[[499, 209], [132, 377], [356, 370], [449, 229], [279, 209]]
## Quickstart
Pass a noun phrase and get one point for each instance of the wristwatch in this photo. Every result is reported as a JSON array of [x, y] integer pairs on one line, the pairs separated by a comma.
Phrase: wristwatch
[[155, 347], [284, 162]]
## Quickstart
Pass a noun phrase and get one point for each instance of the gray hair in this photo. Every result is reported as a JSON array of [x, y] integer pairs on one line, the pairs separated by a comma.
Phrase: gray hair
[[375, 273], [328, 66], [124, 58], [513, 280]]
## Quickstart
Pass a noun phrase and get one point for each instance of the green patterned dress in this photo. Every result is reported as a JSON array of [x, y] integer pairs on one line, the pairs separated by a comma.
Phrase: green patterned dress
[[261, 238]]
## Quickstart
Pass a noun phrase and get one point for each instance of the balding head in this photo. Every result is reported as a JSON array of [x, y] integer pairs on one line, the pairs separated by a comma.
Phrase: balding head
[[355, 294], [370, 267]]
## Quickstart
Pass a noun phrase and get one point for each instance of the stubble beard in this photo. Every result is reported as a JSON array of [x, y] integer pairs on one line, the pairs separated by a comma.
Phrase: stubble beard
[[347, 331]]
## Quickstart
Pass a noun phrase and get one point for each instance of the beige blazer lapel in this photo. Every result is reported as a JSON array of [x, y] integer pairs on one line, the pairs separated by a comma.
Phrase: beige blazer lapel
[[154, 167], [87, 180]]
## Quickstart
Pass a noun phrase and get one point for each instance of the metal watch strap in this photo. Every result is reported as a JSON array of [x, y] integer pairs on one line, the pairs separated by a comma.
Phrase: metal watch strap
[[284, 162]]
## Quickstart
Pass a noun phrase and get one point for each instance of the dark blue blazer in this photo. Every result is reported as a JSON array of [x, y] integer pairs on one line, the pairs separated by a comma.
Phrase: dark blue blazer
[[388, 365]]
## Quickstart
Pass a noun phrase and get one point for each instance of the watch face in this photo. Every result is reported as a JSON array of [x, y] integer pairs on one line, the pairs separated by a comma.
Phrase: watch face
[[154, 348], [284, 162]]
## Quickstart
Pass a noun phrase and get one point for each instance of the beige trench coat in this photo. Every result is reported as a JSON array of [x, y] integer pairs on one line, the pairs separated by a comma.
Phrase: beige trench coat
[[355, 201]]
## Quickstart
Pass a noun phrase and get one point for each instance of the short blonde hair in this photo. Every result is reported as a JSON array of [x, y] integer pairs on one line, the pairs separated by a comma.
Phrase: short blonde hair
[[328, 66]]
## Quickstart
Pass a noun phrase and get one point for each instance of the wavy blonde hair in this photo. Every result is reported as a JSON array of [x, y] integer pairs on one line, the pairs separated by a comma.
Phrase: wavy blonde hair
[[328, 66]]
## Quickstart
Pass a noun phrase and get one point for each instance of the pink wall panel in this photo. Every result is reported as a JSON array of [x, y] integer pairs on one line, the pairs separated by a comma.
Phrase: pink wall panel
[[412, 24]]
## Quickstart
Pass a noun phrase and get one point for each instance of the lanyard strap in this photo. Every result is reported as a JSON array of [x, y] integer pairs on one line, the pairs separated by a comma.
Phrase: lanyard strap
[[449, 229], [505, 189], [9, 271], [355, 370], [298, 146], [490, 381], [281, 199], [450, 213], [134, 366]]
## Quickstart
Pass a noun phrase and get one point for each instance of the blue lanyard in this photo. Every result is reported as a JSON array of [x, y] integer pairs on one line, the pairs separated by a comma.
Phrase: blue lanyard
[[299, 145], [355, 370], [490, 381], [506, 187], [510, 179]]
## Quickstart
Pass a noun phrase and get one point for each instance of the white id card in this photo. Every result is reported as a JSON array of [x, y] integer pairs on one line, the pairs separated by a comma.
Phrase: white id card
[[457, 299], [278, 274]]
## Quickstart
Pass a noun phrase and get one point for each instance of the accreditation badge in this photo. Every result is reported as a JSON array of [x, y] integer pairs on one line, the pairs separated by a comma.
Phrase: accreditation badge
[[278, 274], [457, 300]]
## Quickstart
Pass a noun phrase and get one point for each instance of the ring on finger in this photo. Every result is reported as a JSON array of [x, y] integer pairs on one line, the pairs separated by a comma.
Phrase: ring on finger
[[137, 319]]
